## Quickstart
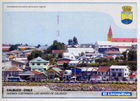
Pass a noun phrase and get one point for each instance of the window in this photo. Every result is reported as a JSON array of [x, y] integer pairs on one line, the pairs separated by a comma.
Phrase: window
[[131, 77], [114, 74], [38, 63], [119, 69], [50, 72], [116, 69], [119, 74], [44, 63], [19, 65], [112, 69], [33, 64]]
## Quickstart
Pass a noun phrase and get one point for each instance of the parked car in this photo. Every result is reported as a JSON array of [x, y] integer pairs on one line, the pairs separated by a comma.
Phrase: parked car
[[14, 79]]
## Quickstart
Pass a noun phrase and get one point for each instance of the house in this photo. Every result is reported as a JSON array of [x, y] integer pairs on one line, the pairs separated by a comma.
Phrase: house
[[119, 72], [85, 59], [79, 50], [133, 76], [123, 46], [73, 63], [42, 48], [33, 76], [88, 71], [77, 73], [56, 52], [10, 71], [5, 48], [71, 56], [26, 54], [5, 57], [112, 56], [102, 73], [61, 61], [106, 53], [85, 45], [16, 52], [39, 64], [53, 72], [90, 57], [67, 74], [23, 47], [102, 46], [19, 62]]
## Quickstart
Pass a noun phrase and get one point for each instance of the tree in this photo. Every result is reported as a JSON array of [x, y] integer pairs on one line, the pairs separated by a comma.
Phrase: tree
[[56, 46], [60, 54], [69, 42], [34, 54], [13, 47], [38, 46], [124, 55], [65, 65], [105, 60], [75, 40], [132, 55]]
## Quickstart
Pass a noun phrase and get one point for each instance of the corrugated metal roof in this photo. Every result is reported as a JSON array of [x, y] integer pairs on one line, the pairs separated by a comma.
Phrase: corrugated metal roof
[[38, 60], [57, 70]]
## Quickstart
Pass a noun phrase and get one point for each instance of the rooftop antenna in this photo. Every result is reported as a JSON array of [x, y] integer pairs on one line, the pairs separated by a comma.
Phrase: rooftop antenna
[[58, 28]]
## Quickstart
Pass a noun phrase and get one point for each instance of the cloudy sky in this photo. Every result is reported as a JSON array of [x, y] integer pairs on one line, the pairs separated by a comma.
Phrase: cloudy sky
[[89, 22]]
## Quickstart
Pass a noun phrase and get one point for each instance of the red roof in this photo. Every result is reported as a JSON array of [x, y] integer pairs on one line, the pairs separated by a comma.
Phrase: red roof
[[124, 39], [35, 72], [13, 68], [132, 75], [66, 45], [58, 51], [4, 45], [110, 31], [28, 53], [24, 59], [103, 69], [112, 52], [109, 56]]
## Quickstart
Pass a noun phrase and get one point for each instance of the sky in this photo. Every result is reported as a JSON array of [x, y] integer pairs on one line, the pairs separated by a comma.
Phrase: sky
[[87, 22]]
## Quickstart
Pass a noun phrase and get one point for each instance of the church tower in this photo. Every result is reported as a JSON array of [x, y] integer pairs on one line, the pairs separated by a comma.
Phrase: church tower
[[110, 35]]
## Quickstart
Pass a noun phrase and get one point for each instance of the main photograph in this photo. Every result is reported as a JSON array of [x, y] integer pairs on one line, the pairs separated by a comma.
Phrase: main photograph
[[69, 50]]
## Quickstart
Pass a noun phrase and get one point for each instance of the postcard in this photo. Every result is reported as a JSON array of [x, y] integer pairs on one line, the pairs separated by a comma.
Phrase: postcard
[[69, 50]]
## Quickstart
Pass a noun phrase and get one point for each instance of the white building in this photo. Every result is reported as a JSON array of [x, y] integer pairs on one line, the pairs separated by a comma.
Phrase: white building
[[79, 50], [69, 56], [73, 63], [119, 72], [67, 74], [102, 46]]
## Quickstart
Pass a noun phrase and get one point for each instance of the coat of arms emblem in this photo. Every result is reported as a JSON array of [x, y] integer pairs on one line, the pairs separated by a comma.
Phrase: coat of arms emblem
[[126, 15]]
